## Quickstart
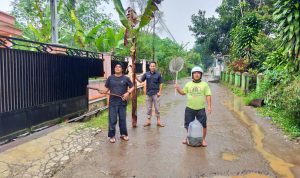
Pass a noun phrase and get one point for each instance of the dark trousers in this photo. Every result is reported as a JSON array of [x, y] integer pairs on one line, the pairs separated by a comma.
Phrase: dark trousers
[[190, 115], [114, 113]]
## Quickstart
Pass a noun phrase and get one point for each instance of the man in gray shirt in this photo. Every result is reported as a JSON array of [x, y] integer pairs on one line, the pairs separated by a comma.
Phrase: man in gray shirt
[[154, 88]]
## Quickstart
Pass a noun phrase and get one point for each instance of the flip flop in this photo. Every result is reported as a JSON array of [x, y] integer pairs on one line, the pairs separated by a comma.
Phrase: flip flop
[[112, 140], [160, 125], [184, 141], [124, 137], [147, 124]]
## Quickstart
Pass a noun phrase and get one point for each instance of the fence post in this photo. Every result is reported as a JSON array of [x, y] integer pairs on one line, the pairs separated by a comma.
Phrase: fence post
[[231, 80], [227, 77], [107, 64], [245, 82], [259, 79], [233, 77], [237, 81]]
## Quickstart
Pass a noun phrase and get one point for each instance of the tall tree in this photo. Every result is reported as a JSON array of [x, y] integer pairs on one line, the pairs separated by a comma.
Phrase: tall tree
[[33, 18]]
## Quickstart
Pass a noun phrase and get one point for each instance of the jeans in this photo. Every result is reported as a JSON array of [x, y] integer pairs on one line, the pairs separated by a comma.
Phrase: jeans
[[114, 113]]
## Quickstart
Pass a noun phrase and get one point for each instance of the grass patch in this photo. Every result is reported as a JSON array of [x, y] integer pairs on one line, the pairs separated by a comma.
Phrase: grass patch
[[235, 90], [285, 121], [101, 121], [98, 122], [289, 125]]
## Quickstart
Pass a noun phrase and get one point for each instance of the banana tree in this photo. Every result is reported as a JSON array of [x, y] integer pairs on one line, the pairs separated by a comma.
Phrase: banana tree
[[110, 40], [42, 31], [85, 39], [133, 25]]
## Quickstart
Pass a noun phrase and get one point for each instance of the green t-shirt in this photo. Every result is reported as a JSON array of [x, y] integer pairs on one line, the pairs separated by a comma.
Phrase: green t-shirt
[[196, 94]]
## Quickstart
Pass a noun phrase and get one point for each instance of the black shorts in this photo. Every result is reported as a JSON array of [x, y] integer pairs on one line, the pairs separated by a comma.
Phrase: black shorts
[[190, 115]]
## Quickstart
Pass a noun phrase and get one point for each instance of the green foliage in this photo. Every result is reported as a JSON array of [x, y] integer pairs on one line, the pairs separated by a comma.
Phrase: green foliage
[[261, 50], [88, 40], [264, 86], [244, 36], [110, 40], [119, 8], [284, 120], [239, 65], [101, 121], [287, 16], [207, 32], [286, 96], [33, 18], [148, 14]]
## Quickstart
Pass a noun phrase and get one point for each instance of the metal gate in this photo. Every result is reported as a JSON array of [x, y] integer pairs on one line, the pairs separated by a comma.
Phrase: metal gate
[[38, 87]]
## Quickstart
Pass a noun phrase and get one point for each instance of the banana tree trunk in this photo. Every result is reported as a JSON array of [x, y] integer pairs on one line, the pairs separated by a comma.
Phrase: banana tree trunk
[[134, 93]]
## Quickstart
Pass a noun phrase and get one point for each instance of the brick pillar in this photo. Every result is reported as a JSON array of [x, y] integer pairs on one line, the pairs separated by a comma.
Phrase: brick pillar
[[7, 28], [107, 64]]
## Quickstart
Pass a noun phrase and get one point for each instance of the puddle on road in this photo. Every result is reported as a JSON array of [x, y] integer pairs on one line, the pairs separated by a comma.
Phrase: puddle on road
[[229, 157], [278, 165], [251, 175]]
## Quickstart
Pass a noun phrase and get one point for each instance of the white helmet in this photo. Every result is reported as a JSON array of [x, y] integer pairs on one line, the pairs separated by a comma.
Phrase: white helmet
[[196, 69]]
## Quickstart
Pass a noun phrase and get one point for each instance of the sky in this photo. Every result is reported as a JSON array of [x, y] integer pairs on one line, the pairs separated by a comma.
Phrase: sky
[[177, 16]]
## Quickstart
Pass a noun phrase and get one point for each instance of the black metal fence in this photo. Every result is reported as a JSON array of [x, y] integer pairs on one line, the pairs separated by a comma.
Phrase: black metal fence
[[38, 87]]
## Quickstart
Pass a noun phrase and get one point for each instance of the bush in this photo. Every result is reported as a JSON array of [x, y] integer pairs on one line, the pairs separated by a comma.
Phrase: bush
[[264, 86], [286, 96]]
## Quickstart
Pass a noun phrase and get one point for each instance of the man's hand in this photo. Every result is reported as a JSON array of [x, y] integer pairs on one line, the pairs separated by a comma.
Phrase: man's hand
[[125, 96], [158, 94], [176, 86], [102, 91], [209, 110]]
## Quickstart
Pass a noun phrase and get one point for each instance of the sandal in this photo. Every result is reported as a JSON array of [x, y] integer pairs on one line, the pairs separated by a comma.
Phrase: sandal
[[124, 137], [147, 124], [160, 125], [112, 140]]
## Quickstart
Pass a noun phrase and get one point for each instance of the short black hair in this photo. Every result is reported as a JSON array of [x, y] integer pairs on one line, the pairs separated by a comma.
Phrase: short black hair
[[119, 63], [153, 62]]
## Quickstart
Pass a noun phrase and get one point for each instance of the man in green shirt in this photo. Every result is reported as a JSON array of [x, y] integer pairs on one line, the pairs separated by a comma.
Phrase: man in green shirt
[[197, 92]]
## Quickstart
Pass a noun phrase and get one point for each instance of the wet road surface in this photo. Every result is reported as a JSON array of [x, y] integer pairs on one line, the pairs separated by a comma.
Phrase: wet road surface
[[240, 144]]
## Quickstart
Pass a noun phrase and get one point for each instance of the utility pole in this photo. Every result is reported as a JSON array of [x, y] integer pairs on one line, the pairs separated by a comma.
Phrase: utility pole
[[54, 33], [153, 36]]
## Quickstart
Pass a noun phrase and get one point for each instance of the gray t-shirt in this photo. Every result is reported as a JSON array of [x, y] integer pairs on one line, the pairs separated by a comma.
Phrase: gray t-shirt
[[118, 86]]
